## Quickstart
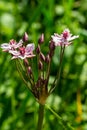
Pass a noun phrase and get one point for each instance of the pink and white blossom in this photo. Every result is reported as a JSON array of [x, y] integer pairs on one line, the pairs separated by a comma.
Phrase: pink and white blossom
[[12, 45], [23, 52], [63, 39]]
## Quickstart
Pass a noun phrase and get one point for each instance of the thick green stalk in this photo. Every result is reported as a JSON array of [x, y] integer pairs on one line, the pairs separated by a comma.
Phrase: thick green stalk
[[40, 117]]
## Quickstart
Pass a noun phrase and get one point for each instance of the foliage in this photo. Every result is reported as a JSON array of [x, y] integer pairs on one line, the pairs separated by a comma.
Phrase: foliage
[[18, 108]]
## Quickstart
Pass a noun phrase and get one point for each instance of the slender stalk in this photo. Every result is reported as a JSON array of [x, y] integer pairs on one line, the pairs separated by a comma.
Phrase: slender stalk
[[21, 64], [32, 76], [56, 80], [40, 117], [22, 77], [39, 72], [43, 71], [60, 66], [21, 74], [48, 72], [29, 76]]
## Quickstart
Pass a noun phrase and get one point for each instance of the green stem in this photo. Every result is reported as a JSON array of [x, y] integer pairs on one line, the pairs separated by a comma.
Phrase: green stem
[[40, 117], [48, 72], [20, 73], [57, 78], [60, 66]]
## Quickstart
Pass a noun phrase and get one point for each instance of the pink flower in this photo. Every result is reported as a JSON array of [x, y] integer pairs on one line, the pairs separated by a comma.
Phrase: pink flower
[[12, 45], [64, 39], [23, 52]]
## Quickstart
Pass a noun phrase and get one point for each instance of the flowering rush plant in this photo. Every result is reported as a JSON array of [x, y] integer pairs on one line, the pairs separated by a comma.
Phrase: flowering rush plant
[[24, 54]]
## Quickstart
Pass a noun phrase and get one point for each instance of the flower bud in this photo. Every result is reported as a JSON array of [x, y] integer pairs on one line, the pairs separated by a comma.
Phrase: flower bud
[[52, 45], [29, 70], [47, 59], [51, 53], [42, 57], [40, 65], [26, 62], [40, 82], [25, 37], [38, 49], [41, 39]]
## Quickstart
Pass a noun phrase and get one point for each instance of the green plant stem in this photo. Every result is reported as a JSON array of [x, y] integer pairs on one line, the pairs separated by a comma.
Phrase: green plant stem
[[20, 73], [60, 66], [40, 117], [48, 72], [57, 78]]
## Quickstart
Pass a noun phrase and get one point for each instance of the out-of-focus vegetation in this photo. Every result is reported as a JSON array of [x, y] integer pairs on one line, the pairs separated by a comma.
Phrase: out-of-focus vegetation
[[18, 108]]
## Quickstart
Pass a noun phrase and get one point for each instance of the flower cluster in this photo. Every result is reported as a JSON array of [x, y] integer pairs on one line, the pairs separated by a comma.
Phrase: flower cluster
[[24, 51], [18, 50]]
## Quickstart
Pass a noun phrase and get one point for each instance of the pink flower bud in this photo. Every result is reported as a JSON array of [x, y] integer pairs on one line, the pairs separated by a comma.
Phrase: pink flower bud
[[42, 57], [41, 39], [38, 49], [40, 82], [25, 37], [52, 45], [26, 62], [40, 65], [29, 70], [47, 59]]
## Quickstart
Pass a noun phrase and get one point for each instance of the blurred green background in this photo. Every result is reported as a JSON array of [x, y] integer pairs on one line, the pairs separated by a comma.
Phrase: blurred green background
[[18, 108]]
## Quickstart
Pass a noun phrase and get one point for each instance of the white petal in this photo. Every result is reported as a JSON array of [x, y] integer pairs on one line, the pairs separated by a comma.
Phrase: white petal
[[29, 48], [56, 39], [15, 53], [22, 57], [5, 46], [72, 38], [57, 35], [67, 30], [14, 57], [20, 43], [58, 44]]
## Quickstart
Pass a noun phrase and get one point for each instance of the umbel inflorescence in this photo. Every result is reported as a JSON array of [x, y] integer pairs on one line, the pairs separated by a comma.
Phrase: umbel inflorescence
[[24, 54]]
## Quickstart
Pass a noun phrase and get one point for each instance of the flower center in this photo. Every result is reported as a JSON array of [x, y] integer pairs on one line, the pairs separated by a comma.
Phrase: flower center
[[22, 50], [65, 34]]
